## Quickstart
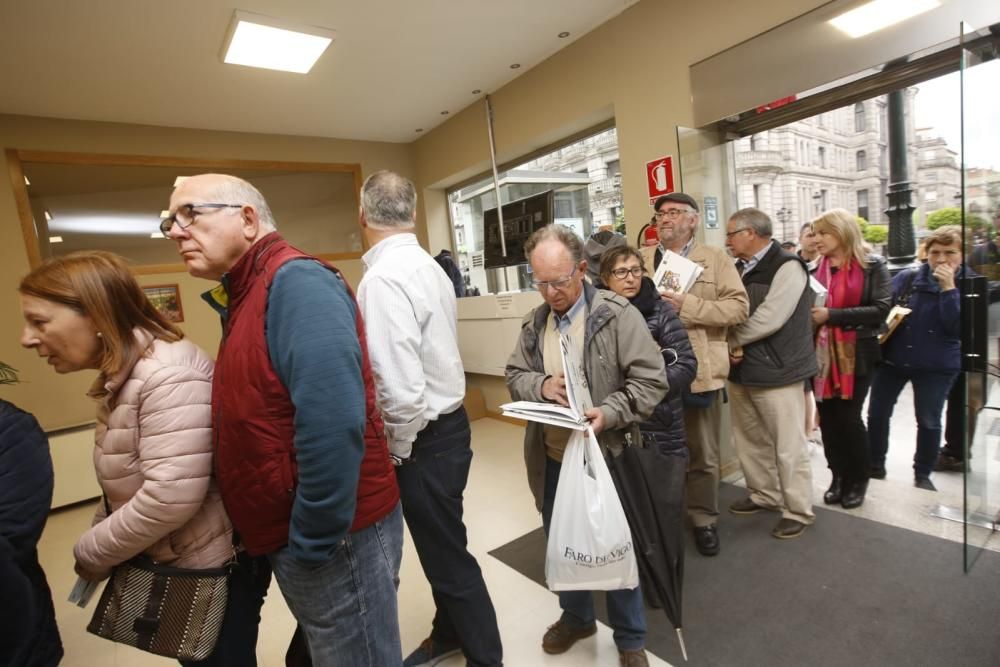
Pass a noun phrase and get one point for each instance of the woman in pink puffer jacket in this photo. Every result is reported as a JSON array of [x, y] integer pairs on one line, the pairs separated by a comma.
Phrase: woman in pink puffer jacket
[[153, 453]]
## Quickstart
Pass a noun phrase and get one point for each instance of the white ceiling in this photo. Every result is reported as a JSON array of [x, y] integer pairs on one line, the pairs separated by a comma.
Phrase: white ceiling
[[394, 67]]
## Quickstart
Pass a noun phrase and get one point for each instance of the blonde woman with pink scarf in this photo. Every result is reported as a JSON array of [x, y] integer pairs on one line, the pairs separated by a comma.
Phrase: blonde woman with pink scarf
[[847, 349]]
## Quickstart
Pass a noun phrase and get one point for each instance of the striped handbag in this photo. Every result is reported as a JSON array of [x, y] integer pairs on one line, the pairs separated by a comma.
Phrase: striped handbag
[[165, 610]]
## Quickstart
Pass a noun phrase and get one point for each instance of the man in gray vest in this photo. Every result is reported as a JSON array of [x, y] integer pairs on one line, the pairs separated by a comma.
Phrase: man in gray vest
[[771, 354]]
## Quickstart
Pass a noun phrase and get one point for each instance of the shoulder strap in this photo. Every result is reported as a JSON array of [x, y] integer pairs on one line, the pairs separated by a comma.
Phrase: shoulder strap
[[904, 296]]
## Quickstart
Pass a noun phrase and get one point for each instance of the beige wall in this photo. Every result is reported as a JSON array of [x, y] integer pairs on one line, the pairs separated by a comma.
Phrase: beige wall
[[633, 68], [61, 401]]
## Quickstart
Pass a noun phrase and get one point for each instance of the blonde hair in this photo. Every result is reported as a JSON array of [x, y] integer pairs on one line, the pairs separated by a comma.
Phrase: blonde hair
[[842, 224], [100, 286]]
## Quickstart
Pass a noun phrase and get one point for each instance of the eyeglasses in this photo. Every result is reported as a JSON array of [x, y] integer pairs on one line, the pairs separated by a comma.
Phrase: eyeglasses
[[730, 235], [671, 213], [186, 214], [559, 285], [636, 272]]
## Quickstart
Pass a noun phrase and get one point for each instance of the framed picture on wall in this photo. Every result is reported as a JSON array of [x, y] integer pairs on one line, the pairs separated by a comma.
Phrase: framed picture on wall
[[167, 300]]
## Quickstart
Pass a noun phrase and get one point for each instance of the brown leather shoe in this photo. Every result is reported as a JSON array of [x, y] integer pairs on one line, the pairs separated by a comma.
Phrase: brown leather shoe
[[633, 658], [788, 528], [561, 636], [747, 506]]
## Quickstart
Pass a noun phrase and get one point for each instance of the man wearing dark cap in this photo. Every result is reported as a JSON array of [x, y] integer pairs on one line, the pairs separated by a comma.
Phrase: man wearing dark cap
[[714, 303]]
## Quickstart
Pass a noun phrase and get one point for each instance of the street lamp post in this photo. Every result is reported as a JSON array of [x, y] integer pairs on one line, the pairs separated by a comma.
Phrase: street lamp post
[[783, 215]]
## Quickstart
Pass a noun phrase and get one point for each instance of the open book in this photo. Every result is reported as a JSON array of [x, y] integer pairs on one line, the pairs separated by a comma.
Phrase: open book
[[676, 273], [893, 320], [577, 393]]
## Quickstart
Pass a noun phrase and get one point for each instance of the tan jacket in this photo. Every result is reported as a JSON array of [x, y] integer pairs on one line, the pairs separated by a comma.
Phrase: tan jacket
[[716, 302], [153, 457], [623, 364]]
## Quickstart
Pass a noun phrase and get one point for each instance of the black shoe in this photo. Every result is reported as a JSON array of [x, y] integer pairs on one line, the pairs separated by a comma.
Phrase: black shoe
[[706, 540], [924, 483], [948, 463], [833, 494], [854, 495], [747, 506], [876, 472]]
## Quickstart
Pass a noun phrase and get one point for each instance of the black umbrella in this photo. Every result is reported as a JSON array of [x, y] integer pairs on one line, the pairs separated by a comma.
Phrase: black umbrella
[[650, 484]]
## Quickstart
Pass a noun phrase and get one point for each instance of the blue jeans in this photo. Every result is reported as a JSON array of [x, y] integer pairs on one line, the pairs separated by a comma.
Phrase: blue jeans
[[930, 391], [237, 645], [431, 484], [347, 606], [626, 611]]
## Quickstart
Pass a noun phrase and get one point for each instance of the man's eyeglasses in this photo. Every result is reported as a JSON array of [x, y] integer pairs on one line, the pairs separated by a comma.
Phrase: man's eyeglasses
[[186, 214], [671, 213], [620, 274], [560, 284], [730, 235]]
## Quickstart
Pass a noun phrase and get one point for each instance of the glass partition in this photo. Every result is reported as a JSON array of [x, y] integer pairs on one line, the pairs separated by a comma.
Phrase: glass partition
[[981, 299], [585, 179]]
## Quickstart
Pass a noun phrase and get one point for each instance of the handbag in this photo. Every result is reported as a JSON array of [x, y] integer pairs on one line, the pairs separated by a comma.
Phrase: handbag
[[170, 611], [590, 544]]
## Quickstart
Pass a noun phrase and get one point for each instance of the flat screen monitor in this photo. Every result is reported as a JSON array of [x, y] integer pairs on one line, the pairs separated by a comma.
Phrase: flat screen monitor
[[520, 219]]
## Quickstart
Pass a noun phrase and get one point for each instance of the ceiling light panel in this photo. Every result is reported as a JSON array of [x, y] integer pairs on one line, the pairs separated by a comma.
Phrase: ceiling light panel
[[254, 40], [874, 16]]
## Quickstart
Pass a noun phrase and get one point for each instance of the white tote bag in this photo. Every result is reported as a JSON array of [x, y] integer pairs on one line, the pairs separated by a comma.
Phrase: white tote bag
[[590, 545]]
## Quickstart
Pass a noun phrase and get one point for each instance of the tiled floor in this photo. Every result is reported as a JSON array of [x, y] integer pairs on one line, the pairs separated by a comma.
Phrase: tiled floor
[[498, 509]]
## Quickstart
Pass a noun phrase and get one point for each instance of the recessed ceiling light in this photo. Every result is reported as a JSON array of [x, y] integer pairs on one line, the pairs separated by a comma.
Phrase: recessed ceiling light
[[179, 180], [55, 239], [157, 235], [261, 41], [516, 66], [419, 129], [26, 181], [563, 35], [879, 14], [444, 113], [476, 91], [48, 216]]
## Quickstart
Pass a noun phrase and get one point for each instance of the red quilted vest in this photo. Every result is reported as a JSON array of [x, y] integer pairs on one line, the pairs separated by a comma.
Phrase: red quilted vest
[[253, 415]]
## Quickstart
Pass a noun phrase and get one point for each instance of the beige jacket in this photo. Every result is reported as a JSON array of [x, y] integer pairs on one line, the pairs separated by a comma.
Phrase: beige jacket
[[153, 458], [716, 302]]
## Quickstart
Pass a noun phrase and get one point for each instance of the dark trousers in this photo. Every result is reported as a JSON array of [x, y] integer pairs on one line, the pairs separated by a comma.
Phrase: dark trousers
[[954, 444], [930, 390], [237, 645], [845, 440], [431, 484], [626, 611]]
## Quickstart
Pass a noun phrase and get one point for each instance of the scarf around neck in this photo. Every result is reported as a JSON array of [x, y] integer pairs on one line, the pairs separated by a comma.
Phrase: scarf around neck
[[836, 347]]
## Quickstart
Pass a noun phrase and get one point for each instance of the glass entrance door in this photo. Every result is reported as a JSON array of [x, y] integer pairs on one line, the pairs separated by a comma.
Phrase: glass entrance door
[[980, 200]]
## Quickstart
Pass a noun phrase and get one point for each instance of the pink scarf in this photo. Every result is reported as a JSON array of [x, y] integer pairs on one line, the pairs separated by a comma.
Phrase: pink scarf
[[835, 347]]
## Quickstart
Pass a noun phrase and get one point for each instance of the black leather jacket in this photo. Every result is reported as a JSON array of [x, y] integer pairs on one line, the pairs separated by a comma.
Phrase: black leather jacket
[[867, 318], [666, 425]]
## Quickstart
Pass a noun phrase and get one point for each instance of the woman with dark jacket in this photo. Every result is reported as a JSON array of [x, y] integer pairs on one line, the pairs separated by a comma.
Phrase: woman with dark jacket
[[621, 271], [925, 350], [847, 349], [28, 633]]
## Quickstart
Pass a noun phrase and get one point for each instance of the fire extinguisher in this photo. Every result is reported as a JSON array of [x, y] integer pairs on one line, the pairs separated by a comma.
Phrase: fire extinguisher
[[647, 235]]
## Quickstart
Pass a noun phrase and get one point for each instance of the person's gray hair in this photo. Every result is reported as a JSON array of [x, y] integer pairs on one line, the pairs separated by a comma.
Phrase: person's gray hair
[[755, 219], [555, 232], [388, 200], [233, 190]]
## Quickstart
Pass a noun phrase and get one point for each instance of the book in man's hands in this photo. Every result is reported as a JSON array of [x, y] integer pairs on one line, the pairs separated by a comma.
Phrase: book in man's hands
[[577, 394], [676, 273]]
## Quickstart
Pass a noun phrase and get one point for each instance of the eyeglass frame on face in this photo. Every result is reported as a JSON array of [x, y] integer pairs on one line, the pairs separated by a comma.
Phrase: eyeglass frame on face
[[636, 272], [672, 213], [166, 224], [733, 233], [558, 284]]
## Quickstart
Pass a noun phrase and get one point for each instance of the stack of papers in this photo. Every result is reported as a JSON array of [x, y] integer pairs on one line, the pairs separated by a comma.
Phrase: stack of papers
[[577, 393], [892, 321], [676, 273], [819, 290]]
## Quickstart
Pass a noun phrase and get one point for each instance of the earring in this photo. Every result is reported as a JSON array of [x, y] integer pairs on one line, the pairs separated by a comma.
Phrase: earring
[[100, 335]]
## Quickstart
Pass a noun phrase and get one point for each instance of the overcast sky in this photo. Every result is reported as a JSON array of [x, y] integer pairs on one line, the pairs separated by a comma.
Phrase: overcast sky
[[937, 106]]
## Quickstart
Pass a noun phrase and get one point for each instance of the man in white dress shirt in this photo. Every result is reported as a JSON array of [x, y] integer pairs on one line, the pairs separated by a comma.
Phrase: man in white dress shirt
[[408, 304]]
